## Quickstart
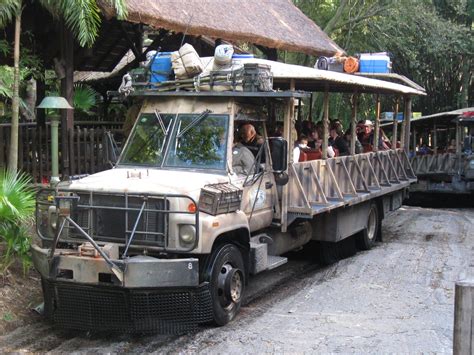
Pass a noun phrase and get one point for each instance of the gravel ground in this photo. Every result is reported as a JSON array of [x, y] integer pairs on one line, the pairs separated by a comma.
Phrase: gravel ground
[[398, 297]]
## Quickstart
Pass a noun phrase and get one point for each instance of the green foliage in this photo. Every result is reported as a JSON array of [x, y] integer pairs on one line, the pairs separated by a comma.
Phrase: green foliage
[[8, 10], [85, 98], [17, 200], [17, 203], [83, 16], [17, 246], [430, 41]]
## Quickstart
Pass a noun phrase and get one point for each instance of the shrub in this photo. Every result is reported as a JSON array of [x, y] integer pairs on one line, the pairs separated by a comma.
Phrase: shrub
[[17, 204]]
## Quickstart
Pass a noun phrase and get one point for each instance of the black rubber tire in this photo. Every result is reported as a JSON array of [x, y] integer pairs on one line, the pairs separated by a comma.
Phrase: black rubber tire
[[366, 238], [328, 253], [222, 257]]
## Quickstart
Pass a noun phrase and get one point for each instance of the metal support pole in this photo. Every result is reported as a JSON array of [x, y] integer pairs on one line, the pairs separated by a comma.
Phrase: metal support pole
[[463, 337], [414, 141], [435, 139], [406, 120], [355, 102], [54, 150], [325, 123], [377, 125], [395, 124]]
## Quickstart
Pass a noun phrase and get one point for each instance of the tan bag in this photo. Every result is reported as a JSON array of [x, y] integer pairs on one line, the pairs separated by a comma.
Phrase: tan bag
[[186, 63]]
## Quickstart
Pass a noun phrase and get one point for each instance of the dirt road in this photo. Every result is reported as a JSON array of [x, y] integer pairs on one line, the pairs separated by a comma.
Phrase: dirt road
[[398, 297]]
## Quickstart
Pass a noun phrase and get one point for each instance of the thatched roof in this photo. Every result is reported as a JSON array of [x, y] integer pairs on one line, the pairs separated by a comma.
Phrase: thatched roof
[[269, 23]]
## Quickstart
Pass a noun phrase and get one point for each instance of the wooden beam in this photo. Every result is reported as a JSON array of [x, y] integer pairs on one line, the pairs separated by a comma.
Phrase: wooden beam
[[406, 120], [377, 125], [67, 91], [355, 99], [395, 124], [325, 123]]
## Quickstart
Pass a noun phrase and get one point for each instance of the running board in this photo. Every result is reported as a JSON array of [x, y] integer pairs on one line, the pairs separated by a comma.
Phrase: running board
[[275, 261], [260, 260]]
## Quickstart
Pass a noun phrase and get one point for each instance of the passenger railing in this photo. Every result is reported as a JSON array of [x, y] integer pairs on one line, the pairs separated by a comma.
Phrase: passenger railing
[[444, 163], [320, 185]]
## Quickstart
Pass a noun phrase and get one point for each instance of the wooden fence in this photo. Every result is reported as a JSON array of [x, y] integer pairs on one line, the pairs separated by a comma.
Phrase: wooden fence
[[89, 149]]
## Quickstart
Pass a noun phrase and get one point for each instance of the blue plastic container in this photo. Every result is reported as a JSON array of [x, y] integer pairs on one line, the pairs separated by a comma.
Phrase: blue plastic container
[[242, 56], [161, 67], [375, 63]]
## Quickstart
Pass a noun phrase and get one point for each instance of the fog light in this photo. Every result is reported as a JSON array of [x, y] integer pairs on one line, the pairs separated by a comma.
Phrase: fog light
[[187, 233]]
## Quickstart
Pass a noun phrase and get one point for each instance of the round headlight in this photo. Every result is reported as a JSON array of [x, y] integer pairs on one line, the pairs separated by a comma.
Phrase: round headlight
[[53, 217], [187, 233], [471, 164]]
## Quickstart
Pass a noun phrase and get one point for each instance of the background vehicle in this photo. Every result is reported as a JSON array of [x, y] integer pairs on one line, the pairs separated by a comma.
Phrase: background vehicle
[[169, 237], [442, 152]]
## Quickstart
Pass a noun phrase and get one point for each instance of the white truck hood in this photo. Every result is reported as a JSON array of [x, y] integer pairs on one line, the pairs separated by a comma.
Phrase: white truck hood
[[150, 181]]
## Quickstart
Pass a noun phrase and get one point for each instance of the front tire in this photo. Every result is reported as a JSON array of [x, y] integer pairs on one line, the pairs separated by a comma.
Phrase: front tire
[[227, 282]]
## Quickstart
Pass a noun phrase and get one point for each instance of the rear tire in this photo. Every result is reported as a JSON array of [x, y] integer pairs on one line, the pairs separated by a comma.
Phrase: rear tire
[[366, 238], [328, 253], [227, 282]]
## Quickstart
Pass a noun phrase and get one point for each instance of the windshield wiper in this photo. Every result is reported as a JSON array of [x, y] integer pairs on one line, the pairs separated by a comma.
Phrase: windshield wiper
[[160, 121], [165, 134], [194, 122]]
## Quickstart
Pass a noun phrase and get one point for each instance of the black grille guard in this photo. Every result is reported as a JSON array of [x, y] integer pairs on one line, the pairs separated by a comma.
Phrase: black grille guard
[[47, 197]]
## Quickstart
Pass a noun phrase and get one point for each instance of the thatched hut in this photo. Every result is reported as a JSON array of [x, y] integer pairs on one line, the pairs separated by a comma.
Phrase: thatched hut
[[275, 24]]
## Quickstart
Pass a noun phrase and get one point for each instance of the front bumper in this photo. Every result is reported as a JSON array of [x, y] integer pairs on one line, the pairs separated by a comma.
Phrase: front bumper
[[159, 295]]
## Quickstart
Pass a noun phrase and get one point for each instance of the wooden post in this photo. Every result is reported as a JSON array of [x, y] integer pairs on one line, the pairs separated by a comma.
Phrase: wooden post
[[355, 99], [463, 337], [325, 123], [67, 91], [406, 121], [377, 125], [395, 124], [288, 130]]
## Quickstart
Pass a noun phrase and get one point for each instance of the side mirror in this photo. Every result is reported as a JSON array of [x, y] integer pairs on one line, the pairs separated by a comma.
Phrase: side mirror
[[279, 152]]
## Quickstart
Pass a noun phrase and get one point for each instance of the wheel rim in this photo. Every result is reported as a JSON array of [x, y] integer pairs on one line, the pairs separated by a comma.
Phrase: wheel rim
[[372, 224], [229, 285]]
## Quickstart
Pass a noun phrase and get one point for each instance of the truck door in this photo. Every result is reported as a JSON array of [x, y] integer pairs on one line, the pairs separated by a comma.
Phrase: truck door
[[258, 196]]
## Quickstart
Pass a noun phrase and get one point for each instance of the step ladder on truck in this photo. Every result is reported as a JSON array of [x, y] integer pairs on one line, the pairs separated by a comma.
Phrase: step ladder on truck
[[169, 237]]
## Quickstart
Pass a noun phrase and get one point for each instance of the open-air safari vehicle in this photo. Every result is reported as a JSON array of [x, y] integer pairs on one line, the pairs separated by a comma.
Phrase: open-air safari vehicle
[[442, 152], [168, 238]]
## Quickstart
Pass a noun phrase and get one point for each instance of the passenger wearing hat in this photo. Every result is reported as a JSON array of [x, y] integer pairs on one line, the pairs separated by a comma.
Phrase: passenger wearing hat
[[336, 140]]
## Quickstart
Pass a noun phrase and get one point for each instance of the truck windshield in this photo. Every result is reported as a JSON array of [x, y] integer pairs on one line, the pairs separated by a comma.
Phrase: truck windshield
[[147, 143], [187, 140], [199, 141]]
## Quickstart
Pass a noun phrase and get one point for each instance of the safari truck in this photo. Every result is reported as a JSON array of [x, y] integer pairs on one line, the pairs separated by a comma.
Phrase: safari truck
[[169, 237], [442, 153]]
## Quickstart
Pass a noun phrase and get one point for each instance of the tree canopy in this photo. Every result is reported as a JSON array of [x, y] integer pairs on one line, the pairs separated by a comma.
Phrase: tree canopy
[[430, 42]]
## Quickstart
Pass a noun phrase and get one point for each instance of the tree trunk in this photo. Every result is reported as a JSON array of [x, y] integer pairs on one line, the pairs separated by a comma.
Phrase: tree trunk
[[335, 19], [13, 154]]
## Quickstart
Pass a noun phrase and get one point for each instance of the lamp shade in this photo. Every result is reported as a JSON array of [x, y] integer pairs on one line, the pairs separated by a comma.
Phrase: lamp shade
[[56, 102]]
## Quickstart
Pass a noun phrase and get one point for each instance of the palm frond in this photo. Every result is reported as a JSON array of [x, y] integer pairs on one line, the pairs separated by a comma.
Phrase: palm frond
[[85, 98], [120, 8], [81, 16], [17, 199], [8, 10]]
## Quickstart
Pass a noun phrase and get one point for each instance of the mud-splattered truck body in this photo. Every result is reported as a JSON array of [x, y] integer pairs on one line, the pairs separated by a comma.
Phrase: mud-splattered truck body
[[169, 237]]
